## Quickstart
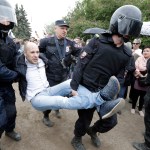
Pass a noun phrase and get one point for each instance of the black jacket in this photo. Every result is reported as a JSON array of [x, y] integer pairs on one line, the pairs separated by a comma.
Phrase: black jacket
[[103, 60], [8, 54], [148, 72], [58, 68], [21, 68]]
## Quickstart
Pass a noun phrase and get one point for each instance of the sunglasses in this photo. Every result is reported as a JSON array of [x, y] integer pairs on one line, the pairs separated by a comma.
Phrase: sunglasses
[[136, 43]]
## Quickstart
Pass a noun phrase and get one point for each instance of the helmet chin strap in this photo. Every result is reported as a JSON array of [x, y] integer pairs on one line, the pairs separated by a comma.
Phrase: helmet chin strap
[[3, 34]]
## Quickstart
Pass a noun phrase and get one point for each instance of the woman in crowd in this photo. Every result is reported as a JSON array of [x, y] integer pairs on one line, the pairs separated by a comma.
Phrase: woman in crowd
[[140, 71]]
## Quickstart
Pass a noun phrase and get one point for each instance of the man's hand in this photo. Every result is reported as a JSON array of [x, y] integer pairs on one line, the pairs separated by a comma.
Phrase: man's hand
[[74, 93]]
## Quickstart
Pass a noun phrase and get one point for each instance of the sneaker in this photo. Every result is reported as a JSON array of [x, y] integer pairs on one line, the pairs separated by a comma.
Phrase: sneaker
[[140, 146], [111, 90], [77, 143], [94, 138], [109, 108], [48, 122], [132, 111], [141, 113], [57, 113], [13, 135]]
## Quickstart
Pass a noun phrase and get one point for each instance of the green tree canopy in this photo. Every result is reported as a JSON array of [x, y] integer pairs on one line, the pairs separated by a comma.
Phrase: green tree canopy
[[97, 13], [23, 29]]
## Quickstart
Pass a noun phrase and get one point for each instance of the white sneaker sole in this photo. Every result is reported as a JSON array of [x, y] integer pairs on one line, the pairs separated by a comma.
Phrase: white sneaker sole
[[118, 107]]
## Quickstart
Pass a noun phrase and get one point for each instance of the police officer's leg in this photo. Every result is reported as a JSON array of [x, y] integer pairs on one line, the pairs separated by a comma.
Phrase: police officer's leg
[[105, 125], [1, 132], [11, 114], [3, 118], [46, 119], [101, 126], [81, 127], [146, 144], [147, 119]]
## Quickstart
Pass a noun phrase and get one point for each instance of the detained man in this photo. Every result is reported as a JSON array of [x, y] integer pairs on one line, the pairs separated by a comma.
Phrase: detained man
[[34, 87]]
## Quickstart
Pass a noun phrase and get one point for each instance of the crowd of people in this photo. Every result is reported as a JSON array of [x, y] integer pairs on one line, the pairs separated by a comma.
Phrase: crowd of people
[[58, 73]]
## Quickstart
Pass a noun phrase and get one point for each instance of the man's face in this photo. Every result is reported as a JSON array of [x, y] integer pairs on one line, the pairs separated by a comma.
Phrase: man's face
[[5, 22], [118, 41], [61, 31], [32, 53]]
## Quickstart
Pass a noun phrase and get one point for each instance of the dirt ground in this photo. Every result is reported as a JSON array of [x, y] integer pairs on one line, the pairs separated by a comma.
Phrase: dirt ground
[[36, 136]]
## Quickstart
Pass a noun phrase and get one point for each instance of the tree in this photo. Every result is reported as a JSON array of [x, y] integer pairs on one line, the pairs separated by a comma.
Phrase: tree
[[97, 13], [23, 29], [50, 29]]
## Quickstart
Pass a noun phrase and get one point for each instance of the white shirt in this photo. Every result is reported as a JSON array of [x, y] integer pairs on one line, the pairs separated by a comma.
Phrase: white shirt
[[36, 79], [137, 51]]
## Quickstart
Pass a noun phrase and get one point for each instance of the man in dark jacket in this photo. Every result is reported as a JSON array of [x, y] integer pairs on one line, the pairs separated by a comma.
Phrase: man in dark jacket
[[7, 75], [101, 58], [146, 144], [60, 52]]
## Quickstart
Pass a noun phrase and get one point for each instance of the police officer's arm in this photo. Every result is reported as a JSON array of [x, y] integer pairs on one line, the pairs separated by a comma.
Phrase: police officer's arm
[[148, 73], [75, 50], [83, 59], [7, 75], [43, 44]]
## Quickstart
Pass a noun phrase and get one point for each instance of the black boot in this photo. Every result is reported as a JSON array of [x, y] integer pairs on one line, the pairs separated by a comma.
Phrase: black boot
[[48, 122], [13, 135], [140, 146], [94, 138], [46, 119], [58, 114], [77, 143]]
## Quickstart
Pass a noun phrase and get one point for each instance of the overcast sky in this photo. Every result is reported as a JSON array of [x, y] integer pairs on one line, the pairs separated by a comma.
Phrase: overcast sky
[[41, 12]]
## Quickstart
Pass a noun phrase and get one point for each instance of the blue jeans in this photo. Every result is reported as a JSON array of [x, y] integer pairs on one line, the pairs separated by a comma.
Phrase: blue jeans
[[54, 98]]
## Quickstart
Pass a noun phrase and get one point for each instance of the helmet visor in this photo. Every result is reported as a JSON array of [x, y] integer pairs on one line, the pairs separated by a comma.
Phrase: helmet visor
[[129, 26], [7, 14]]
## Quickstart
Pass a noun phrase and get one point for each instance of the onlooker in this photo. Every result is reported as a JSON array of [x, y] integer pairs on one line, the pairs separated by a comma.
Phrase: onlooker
[[60, 51], [136, 48], [139, 92], [8, 53], [136, 52]]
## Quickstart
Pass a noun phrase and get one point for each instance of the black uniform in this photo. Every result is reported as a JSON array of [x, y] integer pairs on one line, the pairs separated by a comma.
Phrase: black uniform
[[7, 76], [102, 61], [60, 54], [147, 109]]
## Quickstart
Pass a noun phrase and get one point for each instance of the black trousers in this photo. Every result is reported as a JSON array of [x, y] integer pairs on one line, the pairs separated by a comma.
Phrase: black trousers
[[84, 121], [135, 95], [8, 108], [147, 119]]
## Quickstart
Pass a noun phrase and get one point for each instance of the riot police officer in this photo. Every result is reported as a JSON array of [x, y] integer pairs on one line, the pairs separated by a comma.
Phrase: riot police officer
[[7, 75], [101, 58], [60, 52]]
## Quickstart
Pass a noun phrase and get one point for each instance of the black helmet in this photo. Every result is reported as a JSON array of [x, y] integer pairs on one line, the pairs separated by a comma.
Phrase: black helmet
[[7, 13], [126, 20]]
